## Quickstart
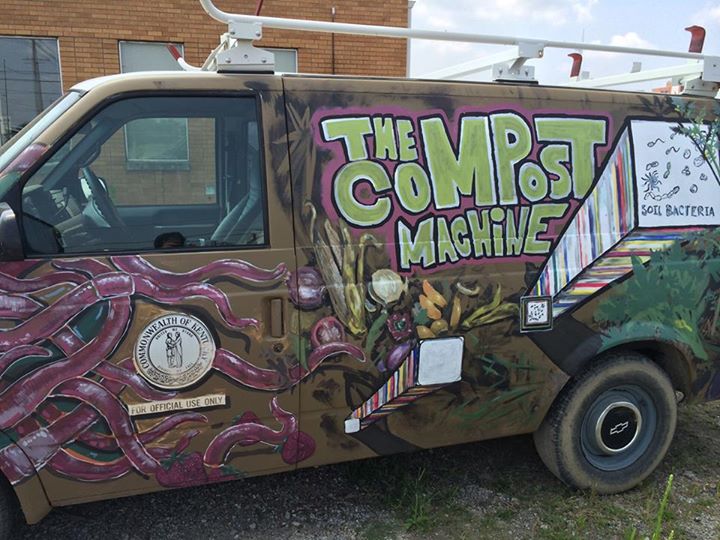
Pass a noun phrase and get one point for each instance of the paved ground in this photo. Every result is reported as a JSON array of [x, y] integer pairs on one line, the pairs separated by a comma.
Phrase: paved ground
[[497, 489]]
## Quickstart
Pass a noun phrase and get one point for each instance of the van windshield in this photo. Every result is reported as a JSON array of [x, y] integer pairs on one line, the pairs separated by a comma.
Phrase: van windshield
[[30, 132]]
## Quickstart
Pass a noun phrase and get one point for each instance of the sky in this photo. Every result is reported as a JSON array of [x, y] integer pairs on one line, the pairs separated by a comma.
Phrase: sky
[[636, 23]]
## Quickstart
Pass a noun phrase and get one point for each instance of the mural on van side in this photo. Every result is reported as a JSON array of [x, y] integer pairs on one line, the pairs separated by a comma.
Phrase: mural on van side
[[60, 399], [432, 194]]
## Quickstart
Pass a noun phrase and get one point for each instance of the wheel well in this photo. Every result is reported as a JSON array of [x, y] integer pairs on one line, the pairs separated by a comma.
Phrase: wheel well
[[676, 364], [29, 495]]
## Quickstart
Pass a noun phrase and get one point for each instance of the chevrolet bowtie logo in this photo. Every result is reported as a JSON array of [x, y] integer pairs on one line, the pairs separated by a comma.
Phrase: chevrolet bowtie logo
[[619, 428]]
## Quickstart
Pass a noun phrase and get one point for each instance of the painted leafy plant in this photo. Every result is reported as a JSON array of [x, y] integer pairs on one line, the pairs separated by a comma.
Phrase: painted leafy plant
[[671, 293], [702, 131], [500, 390]]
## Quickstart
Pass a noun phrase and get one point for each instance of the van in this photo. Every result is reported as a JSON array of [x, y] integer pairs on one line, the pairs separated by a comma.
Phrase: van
[[216, 274]]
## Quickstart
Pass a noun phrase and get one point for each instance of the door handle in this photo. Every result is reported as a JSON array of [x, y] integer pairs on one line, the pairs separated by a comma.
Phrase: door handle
[[277, 319]]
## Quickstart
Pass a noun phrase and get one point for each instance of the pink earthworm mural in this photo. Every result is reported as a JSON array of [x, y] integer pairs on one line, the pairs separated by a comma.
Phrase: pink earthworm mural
[[63, 392]]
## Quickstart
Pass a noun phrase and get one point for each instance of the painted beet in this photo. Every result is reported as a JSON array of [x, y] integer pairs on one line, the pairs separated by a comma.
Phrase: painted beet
[[307, 288]]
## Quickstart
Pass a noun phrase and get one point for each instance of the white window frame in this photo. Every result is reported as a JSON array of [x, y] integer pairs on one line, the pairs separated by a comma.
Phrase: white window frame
[[287, 49], [154, 164]]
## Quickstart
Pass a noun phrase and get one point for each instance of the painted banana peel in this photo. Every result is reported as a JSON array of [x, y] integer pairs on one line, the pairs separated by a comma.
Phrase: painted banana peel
[[495, 311], [342, 265], [434, 304]]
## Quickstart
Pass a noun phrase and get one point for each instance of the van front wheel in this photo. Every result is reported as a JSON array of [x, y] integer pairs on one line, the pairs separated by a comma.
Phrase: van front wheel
[[9, 511], [611, 426]]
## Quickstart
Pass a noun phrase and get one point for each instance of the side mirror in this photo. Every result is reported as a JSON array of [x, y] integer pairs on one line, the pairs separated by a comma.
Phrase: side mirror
[[11, 248]]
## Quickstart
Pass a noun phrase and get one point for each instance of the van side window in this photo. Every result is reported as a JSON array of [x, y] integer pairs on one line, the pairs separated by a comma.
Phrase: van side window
[[92, 196]]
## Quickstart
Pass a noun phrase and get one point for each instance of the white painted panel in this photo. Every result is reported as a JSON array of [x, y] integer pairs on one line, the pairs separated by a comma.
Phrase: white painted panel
[[440, 361], [676, 186]]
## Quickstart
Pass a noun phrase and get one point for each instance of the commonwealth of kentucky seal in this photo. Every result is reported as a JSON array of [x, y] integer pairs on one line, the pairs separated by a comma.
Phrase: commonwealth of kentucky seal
[[174, 351]]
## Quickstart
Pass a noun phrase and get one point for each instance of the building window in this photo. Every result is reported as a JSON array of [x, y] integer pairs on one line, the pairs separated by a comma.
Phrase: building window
[[154, 144], [147, 56], [29, 81], [285, 60]]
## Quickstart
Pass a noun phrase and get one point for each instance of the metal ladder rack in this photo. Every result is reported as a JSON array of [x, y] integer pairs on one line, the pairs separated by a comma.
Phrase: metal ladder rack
[[236, 52]]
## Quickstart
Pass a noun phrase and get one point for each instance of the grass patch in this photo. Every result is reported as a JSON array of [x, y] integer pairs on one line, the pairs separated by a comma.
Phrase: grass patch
[[423, 504], [421, 493], [661, 515], [419, 497], [378, 530]]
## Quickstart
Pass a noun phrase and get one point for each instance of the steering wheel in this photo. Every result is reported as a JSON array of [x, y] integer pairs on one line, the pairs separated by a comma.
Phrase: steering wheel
[[102, 200]]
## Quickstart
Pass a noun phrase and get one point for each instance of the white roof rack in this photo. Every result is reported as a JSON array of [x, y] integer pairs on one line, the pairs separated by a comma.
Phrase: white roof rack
[[236, 52]]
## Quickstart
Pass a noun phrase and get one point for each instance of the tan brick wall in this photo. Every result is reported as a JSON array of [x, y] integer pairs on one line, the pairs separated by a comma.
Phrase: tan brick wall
[[161, 186], [89, 31]]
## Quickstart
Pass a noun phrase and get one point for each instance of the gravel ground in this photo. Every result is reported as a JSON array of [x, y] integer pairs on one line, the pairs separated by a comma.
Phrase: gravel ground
[[497, 489]]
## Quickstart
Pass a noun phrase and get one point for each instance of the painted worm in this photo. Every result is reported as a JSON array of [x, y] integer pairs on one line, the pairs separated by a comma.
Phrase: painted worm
[[14, 306], [90, 267], [7, 359], [249, 433], [247, 374], [107, 286], [225, 269], [99, 441], [114, 413], [24, 395], [322, 353], [12, 284], [132, 380], [95, 471]]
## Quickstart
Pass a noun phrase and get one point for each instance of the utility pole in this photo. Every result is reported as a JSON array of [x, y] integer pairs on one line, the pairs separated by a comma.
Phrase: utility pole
[[38, 83], [5, 124], [333, 13]]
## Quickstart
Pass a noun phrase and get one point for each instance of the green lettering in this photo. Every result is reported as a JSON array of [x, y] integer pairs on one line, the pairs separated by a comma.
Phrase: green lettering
[[515, 234], [412, 187], [418, 248], [552, 158], [512, 141], [465, 172], [533, 182], [459, 231], [357, 212], [480, 233], [352, 132], [406, 140], [583, 134], [385, 145], [446, 248], [537, 226]]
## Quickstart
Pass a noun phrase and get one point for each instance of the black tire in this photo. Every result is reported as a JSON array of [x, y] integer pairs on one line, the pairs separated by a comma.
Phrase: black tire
[[9, 511], [611, 426]]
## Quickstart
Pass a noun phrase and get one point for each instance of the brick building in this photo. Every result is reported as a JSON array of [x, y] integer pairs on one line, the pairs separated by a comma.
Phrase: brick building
[[46, 46]]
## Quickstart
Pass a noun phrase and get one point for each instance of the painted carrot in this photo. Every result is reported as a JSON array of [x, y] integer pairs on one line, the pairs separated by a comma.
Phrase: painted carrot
[[432, 311], [432, 294]]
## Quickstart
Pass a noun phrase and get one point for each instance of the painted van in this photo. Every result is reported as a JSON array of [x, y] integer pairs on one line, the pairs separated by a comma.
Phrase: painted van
[[209, 276]]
